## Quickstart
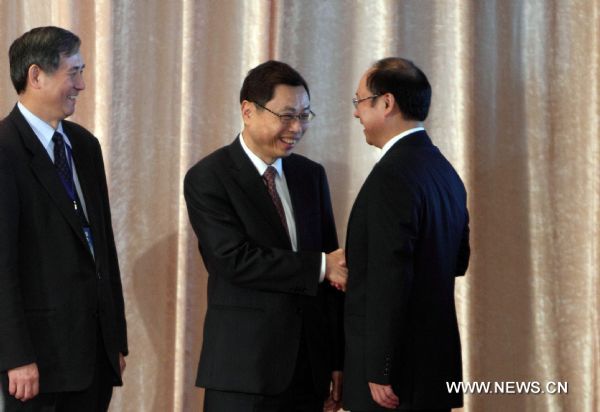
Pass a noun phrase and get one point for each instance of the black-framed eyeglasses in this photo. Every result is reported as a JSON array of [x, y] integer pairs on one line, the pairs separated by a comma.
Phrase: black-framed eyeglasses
[[356, 101], [286, 118]]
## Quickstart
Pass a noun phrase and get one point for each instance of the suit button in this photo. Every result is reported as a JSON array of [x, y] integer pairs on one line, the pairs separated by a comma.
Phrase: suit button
[[299, 311]]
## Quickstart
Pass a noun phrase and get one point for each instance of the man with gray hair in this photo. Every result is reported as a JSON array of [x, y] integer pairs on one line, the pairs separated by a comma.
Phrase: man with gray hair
[[62, 322]]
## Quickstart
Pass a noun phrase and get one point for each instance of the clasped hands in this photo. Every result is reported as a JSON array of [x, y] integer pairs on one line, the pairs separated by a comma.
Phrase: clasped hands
[[336, 271]]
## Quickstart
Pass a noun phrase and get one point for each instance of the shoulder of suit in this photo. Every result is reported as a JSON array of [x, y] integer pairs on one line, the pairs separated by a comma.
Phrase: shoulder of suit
[[298, 160], [210, 164], [5, 126], [9, 133], [400, 166], [216, 157], [77, 129]]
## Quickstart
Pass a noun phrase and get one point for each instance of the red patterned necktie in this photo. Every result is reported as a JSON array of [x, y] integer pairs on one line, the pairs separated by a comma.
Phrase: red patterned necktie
[[269, 179]]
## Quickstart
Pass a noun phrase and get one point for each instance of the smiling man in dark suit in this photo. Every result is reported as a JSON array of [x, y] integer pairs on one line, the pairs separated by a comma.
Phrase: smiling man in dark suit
[[263, 217], [408, 238], [62, 322]]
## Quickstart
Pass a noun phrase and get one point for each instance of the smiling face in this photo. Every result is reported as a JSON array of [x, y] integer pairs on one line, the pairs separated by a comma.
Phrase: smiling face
[[55, 93], [370, 112], [265, 134]]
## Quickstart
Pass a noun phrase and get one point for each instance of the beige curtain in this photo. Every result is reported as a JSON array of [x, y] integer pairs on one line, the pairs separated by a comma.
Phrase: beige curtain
[[515, 108]]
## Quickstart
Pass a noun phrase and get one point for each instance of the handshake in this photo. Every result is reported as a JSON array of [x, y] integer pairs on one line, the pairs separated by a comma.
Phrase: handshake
[[336, 271]]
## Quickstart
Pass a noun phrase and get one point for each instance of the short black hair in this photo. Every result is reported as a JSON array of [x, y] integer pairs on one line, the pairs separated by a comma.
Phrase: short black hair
[[406, 82], [259, 85], [42, 46]]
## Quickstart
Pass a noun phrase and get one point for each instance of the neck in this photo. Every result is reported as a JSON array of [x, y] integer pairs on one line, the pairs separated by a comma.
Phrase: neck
[[37, 109], [395, 129], [250, 144]]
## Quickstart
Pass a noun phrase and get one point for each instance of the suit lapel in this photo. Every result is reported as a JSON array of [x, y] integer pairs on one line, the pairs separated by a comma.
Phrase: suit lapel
[[416, 139], [355, 208], [44, 170], [252, 184], [295, 183], [83, 162]]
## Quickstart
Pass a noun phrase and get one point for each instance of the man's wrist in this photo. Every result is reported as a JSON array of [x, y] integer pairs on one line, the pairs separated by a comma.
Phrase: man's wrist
[[323, 267]]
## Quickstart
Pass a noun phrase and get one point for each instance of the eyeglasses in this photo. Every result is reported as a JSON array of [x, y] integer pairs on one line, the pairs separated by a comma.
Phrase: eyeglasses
[[356, 101], [305, 117]]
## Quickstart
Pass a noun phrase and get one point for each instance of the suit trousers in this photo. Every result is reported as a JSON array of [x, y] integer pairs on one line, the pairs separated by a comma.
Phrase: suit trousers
[[94, 398], [300, 396], [410, 410]]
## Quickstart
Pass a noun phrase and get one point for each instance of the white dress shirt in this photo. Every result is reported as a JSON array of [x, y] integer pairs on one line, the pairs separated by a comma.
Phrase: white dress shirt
[[394, 139], [44, 133], [284, 194]]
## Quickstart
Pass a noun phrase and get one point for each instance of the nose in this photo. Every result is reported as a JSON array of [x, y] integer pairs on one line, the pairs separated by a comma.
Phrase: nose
[[355, 114], [296, 125], [79, 82]]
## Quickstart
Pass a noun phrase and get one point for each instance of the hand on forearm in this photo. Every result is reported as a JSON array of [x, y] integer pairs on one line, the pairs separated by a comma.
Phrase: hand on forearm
[[24, 382], [336, 271]]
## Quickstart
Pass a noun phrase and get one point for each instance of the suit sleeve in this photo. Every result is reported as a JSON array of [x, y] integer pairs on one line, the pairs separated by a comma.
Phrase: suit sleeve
[[230, 253], [16, 348], [113, 261], [392, 233], [464, 251], [335, 298]]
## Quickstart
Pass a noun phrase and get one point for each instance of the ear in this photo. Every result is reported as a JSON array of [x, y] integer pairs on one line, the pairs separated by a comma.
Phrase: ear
[[34, 76], [389, 102], [248, 110]]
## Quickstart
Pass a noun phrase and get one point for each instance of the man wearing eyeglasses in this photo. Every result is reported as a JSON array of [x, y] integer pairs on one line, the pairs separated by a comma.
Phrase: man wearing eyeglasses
[[264, 222], [407, 240]]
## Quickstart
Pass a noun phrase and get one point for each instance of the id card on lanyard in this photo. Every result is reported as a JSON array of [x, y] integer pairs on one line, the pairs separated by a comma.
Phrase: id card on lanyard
[[72, 193]]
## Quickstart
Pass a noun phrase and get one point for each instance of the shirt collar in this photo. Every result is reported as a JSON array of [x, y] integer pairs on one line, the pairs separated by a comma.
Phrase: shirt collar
[[394, 139], [258, 163], [42, 130]]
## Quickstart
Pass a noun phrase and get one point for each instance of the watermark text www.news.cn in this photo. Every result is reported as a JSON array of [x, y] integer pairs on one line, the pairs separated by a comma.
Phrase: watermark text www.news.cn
[[509, 387]]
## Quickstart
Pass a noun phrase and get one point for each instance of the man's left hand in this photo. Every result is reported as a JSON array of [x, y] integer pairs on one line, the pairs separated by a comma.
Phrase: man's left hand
[[384, 395], [334, 402]]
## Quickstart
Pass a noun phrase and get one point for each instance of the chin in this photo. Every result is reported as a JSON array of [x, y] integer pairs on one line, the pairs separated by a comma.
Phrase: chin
[[284, 154], [67, 113]]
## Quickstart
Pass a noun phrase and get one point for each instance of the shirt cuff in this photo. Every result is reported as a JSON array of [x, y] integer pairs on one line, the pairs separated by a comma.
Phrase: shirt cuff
[[323, 267]]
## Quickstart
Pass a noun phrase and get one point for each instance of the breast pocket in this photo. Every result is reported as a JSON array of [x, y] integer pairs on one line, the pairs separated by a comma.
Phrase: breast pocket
[[308, 229]]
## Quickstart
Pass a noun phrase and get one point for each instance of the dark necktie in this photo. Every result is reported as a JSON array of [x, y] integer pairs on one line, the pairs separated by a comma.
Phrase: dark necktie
[[60, 161], [65, 171], [269, 179]]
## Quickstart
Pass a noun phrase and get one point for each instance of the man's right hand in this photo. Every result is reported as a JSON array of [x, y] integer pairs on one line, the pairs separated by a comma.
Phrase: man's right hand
[[24, 382], [336, 271]]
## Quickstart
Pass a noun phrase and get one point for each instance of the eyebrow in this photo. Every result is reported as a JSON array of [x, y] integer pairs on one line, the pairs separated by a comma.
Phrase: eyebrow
[[77, 68], [294, 109]]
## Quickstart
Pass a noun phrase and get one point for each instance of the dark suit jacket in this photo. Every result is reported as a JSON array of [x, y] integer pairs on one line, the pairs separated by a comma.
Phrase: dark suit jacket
[[261, 295], [407, 240], [53, 294]]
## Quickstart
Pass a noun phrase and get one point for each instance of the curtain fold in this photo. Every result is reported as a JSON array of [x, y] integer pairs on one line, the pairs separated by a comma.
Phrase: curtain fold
[[515, 109]]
